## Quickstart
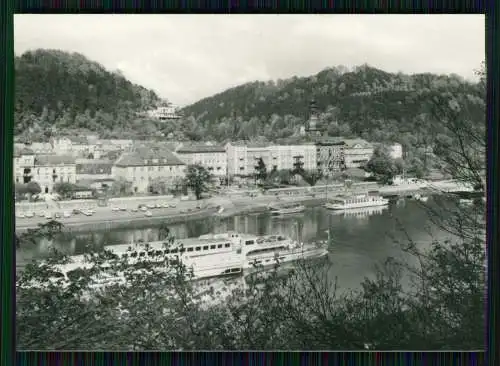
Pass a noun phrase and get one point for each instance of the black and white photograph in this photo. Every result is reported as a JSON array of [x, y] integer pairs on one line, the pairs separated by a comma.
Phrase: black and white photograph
[[250, 182]]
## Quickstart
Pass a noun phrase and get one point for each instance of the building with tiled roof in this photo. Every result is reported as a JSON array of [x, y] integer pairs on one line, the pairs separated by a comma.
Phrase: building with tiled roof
[[96, 174], [357, 152], [142, 166], [212, 157], [46, 170]]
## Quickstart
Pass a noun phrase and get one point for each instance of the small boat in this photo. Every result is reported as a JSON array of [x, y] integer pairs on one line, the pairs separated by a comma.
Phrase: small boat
[[289, 208], [358, 201], [421, 198]]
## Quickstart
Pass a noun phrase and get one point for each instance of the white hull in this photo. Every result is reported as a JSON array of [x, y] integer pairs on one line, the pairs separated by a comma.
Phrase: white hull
[[287, 211], [360, 212], [208, 256], [336, 206], [213, 266]]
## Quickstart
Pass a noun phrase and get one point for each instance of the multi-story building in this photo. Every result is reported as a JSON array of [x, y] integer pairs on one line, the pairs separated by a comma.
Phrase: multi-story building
[[212, 157], [242, 159], [43, 148], [357, 152], [48, 170], [285, 156], [70, 145], [330, 155], [94, 173], [142, 166], [24, 162]]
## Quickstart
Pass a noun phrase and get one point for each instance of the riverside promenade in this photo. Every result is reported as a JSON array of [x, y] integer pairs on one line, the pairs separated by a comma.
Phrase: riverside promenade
[[222, 206]]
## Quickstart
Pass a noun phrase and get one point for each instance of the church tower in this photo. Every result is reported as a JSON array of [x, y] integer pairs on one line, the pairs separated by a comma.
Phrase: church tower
[[313, 127]]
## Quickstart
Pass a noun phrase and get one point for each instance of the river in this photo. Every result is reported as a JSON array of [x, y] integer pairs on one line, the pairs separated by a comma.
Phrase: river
[[360, 240]]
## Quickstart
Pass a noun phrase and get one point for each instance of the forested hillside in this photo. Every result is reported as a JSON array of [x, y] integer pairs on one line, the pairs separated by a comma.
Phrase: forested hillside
[[365, 102], [63, 93], [69, 92]]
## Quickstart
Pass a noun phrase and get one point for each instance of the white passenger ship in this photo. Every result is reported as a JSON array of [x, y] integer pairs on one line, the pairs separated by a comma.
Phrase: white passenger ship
[[358, 201], [360, 212], [210, 256], [288, 208]]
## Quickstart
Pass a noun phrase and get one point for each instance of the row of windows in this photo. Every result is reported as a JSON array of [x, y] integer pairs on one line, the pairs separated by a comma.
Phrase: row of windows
[[153, 253], [156, 168]]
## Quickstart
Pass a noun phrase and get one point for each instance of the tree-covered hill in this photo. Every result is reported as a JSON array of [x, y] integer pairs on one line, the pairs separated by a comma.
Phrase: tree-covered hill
[[68, 91], [365, 102]]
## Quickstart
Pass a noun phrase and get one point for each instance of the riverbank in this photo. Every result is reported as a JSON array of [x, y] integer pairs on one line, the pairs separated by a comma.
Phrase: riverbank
[[103, 220], [106, 219]]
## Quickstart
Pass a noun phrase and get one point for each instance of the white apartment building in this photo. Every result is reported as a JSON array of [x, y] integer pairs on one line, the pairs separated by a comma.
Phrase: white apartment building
[[284, 156], [214, 158], [357, 152], [242, 159], [52, 169], [46, 170], [142, 166]]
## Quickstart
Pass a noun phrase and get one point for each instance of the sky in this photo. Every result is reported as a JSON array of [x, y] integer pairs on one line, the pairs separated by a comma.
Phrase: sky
[[185, 58]]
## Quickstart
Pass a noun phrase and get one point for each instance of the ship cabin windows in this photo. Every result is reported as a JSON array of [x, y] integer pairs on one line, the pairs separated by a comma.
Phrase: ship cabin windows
[[142, 254], [173, 251], [198, 249], [219, 246], [205, 247], [249, 242], [190, 249], [212, 246], [232, 270], [133, 254]]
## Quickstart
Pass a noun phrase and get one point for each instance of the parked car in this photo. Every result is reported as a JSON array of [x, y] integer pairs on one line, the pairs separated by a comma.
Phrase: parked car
[[20, 215], [29, 214], [57, 215], [41, 214], [115, 209], [198, 206], [151, 205], [185, 198], [67, 214], [48, 216], [123, 208], [134, 210], [148, 213], [165, 205], [144, 209], [77, 211], [173, 205], [158, 205]]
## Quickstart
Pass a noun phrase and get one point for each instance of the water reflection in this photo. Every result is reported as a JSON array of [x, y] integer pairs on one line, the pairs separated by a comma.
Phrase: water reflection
[[360, 239]]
